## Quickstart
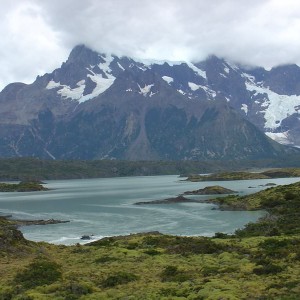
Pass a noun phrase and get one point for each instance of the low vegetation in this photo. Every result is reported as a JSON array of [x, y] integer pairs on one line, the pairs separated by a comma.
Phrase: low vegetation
[[24, 186], [37, 169], [211, 190], [261, 261], [223, 176]]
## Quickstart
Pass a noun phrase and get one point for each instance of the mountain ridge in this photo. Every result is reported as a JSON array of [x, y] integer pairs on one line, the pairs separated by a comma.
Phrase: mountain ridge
[[107, 107]]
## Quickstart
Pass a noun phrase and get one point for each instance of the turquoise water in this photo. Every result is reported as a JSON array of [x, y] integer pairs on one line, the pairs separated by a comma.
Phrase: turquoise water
[[105, 207]]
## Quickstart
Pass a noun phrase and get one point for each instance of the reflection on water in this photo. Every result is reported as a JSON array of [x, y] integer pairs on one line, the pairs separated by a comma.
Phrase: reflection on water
[[105, 207]]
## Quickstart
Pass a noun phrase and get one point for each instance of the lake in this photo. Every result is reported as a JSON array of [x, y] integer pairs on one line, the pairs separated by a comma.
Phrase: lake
[[105, 207]]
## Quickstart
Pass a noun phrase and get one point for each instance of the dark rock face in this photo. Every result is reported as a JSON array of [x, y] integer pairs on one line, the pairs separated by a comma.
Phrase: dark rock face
[[284, 80], [11, 239], [102, 106]]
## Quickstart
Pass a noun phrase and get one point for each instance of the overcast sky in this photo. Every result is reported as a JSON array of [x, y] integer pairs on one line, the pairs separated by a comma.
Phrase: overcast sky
[[37, 35]]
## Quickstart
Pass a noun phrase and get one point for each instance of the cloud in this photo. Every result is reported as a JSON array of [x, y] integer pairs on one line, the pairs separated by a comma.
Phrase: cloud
[[37, 35]]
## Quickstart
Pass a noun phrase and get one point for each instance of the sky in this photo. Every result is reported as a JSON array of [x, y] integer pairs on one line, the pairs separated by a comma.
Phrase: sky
[[37, 36]]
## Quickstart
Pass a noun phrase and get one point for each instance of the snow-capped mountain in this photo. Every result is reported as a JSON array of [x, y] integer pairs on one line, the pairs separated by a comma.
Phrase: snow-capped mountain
[[269, 99], [104, 106]]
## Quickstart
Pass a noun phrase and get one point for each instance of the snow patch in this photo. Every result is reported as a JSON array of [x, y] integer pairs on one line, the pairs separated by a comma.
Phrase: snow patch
[[105, 66], [120, 66], [168, 79], [102, 84], [226, 69], [280, 137], [197, 70], [74, 94], [193, 86], [232, 65], [245, 108], [210, 93], [249, 77], [276, 107], [181, 92], [152, 94], [52, 85], [145, 90]]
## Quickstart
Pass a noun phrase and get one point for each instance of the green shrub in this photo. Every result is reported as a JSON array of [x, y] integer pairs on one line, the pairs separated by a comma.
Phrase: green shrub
[[119, 278], [210, 270], [152, 252], [267, 269], [39, 272], [172, 273], [104, 259], [132, 246], [221, 235], [74, 290], [105, 242], [278, 248]]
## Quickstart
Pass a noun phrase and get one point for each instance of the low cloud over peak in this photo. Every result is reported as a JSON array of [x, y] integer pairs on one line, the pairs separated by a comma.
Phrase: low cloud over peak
[[37, 35]]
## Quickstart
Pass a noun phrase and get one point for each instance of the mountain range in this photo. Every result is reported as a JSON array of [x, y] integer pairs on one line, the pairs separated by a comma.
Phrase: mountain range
[[101, 106]]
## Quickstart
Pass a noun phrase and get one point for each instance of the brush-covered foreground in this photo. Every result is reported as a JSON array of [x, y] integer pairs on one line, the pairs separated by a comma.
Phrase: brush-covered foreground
[[260, 262]]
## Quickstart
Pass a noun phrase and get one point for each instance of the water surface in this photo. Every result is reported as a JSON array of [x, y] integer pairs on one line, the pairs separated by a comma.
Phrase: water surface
[[105, 207]]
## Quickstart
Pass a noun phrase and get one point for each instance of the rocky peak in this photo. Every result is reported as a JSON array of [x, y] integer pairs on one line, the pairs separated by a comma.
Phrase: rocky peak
[[83, 55], [284, 80]]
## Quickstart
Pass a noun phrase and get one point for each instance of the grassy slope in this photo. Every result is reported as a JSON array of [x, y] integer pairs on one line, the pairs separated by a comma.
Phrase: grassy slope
[[255, 264]]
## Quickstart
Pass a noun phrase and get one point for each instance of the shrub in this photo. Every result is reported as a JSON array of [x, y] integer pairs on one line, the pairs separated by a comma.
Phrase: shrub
[[105, 242], [119, 278], [103, 259], [267, 269], [152, 252], [39, 272], [74, 290], [276, 248], [171, 273], [132, 246], [221, 235]]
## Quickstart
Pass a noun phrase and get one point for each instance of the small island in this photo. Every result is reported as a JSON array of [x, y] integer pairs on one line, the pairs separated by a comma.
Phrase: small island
[[225, 176], [178, 199], [23, 186], [211, 190]]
